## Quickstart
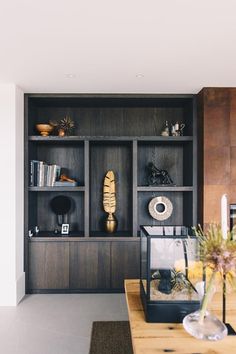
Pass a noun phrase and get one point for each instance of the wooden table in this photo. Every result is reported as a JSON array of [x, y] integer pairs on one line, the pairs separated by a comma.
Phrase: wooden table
[[154, 338]]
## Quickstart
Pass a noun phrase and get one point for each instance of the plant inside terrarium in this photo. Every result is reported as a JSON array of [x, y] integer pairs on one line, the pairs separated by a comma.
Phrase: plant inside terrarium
[[172, 281]]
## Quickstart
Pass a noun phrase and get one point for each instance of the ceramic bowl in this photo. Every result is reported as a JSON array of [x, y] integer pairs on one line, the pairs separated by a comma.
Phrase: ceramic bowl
[[44, 129]]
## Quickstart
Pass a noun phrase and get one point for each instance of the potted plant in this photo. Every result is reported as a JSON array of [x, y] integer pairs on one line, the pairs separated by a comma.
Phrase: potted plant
[[64, 126]]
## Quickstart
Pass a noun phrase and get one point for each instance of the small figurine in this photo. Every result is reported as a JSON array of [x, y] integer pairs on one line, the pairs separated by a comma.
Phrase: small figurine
[[177, 129], [165, 281], [174, 132], [157, 176], [166, 130], [181, 129]]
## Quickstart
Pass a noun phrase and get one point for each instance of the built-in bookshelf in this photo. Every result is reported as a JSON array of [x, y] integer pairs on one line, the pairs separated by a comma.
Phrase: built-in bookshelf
[[112, 132]]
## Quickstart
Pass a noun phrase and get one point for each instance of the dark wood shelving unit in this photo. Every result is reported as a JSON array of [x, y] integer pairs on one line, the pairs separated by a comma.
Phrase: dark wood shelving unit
[[112, 132]]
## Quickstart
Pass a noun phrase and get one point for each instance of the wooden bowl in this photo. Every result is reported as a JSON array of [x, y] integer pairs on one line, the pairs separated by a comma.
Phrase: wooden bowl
[[44, 129]]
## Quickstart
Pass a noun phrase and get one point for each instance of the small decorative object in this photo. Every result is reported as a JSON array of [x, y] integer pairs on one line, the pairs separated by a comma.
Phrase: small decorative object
[[36, 230], [44, 129], [64, 126], [181, 129], [61, 206], [218, 252], [177, 129], [30, 233], [109, 201], [160, 208], [65, 181], [157, 176], [65, 229], [167, 285], [166, 129], [64, 178]]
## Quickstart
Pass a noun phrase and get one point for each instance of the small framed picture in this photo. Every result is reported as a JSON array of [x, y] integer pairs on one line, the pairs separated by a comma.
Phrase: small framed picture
[[65, 229]]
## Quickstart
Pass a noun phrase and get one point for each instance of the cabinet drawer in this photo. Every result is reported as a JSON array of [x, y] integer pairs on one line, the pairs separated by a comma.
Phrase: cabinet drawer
[[90, 265], [125, 262], [48, 265]]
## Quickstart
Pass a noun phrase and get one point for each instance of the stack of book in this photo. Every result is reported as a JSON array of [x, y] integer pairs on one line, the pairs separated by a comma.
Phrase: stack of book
[[42, 174]]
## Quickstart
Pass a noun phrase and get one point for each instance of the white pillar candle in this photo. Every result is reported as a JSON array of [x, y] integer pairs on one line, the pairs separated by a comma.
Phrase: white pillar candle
[[224, 216]]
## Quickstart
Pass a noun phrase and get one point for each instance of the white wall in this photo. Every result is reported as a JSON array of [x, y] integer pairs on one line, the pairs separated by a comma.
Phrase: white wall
[[12, 279]]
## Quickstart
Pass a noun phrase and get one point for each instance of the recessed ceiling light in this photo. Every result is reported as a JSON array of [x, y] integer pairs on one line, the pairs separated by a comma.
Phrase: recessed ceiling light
[[139, 76], [70, 76]]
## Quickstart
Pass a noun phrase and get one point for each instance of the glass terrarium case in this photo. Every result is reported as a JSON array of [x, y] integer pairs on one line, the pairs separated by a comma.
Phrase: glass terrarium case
[[170, 270]]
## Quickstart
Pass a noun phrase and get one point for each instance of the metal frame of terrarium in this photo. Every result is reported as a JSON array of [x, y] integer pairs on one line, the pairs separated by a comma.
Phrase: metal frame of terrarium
[[165, 311]]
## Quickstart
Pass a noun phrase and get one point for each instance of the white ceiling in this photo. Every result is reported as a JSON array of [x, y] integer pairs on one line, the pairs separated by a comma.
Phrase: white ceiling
[[178, 46]]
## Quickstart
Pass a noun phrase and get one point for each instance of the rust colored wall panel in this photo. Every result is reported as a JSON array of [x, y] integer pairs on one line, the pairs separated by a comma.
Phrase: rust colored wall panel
[[216, 128], [232, 194], [233, 117], [218, 116], [233, 165], [212, 198], [216, 96], [217, 165]]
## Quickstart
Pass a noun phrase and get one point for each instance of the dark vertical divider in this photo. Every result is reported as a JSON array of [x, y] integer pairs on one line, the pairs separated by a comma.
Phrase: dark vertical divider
[[195, 165], [86, 184], [135, 182]]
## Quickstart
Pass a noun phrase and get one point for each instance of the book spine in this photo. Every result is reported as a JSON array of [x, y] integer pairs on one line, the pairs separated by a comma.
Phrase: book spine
[[51, 175], [31, 178], [33, 173], [45, 167], [48, 175], [54, 173], [58, 172], [40, 174]]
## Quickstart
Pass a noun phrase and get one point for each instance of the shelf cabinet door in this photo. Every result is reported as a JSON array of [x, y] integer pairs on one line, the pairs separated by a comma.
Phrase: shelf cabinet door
[[90, 265], [125, 262], [48, 265]]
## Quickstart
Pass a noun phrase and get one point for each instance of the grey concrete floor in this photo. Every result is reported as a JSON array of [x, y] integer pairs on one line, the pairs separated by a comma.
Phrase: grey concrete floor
[[56, 324]]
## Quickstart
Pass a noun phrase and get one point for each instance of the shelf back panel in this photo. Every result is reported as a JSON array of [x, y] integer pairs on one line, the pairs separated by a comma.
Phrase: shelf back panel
[[114, 121], [182, 208], [47, 220], [117, 158]]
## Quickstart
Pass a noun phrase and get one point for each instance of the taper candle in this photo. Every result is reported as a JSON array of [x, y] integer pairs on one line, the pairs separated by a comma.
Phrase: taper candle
[[224, 216]]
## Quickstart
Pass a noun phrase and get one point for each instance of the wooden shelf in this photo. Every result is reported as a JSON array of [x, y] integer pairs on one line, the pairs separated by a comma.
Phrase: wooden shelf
[[49, 236], [165, 189], [118, 234], [111, 138], [57, 189]]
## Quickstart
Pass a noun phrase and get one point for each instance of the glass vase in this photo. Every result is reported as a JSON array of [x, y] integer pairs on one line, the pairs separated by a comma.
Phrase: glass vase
[[210, 328], [202, 324]]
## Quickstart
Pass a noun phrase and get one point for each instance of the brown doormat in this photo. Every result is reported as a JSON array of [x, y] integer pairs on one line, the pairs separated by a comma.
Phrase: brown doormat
[[111, 338]]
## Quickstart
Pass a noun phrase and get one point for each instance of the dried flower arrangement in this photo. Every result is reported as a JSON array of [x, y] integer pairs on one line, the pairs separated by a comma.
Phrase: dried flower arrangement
[[218, 254]]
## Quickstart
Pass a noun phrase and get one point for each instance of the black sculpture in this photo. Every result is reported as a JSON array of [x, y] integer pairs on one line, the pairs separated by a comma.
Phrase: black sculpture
[[165, 281], [157, 176], [61, 206]]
